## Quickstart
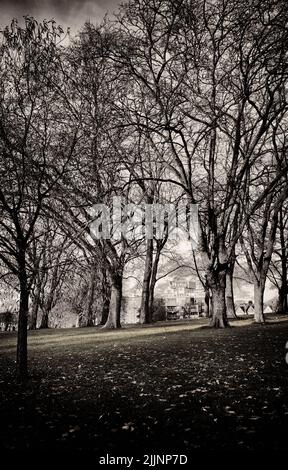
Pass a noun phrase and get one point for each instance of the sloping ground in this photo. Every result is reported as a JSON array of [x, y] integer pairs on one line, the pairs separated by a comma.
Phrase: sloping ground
[[168, 389]]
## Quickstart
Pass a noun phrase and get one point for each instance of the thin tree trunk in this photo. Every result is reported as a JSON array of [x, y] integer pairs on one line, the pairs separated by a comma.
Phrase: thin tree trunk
[[230, 305], [259, 287], [88, 315], [22, 354], [145, 314], [207, 312], [105, 312], [106, 295], [282, 306], [81, 318], [153, 281], [35, 308], [49, 303], [114, 316]]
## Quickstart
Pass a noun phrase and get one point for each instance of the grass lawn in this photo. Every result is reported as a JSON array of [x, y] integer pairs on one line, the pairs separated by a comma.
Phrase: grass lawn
[[158, 389]]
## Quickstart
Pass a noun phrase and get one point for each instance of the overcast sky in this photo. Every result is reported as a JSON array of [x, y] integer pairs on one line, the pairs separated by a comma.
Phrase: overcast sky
[[71, 13]]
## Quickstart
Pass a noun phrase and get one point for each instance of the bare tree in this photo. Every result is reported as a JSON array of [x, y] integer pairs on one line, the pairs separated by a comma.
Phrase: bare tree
[[210, 89], [91, 90], [34, 151], [259, 243], [278, 268]]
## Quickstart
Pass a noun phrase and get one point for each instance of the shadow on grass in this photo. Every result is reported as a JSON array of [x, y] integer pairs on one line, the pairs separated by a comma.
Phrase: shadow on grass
[[170, 391]]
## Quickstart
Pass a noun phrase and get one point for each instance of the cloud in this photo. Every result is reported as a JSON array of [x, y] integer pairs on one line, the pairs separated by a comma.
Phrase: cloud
[[71, 13]]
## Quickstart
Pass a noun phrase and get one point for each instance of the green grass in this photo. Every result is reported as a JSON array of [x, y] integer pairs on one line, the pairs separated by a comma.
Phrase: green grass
[[180, 387]]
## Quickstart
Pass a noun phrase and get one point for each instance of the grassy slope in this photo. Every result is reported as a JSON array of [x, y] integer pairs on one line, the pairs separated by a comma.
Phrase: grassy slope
[[151, 389]]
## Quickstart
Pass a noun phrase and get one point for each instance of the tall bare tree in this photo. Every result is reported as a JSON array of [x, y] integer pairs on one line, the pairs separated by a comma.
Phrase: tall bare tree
[[34, 150], [208, 82]]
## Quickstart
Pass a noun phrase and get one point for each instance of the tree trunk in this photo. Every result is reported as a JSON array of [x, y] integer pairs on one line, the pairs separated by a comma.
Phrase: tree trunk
[[114, 315], [106, 295], [230, 305], [22, 355], [259, 301], [82, 321], [217, 287], [207, 312], [50, 301], [282, 306], [145, 314], [34, 314], [106, 306], [47, 307], [88, 315], [153, 281], [35, 307], [45, 318], [105, 312]]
